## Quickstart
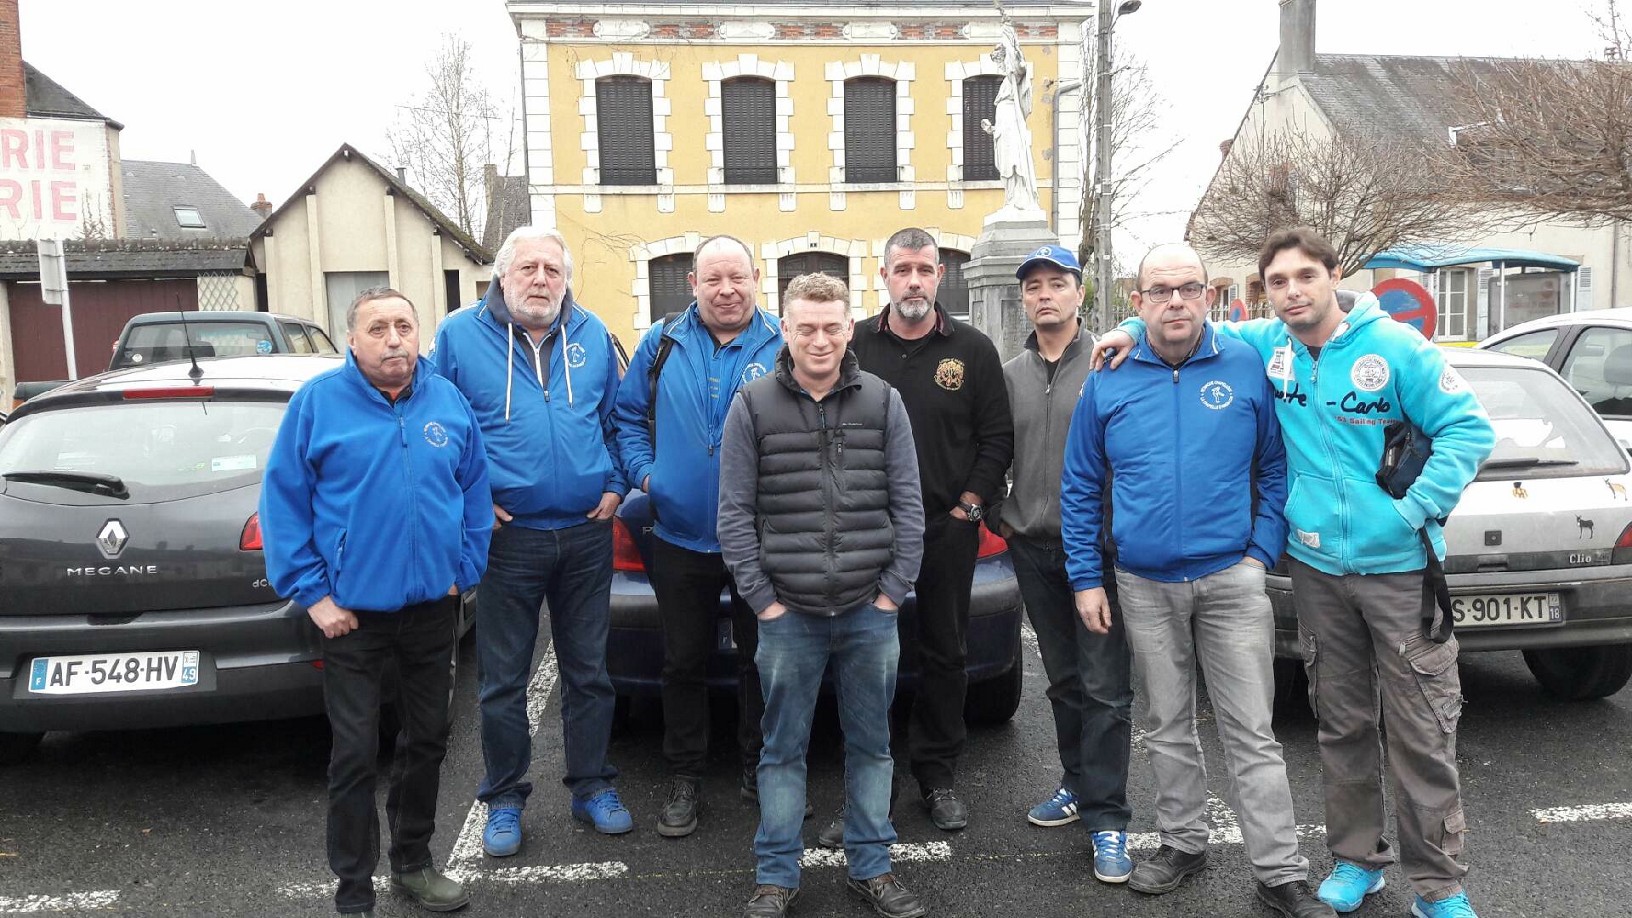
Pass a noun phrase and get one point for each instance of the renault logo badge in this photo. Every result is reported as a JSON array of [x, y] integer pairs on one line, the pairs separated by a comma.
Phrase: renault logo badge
[[111, 540]]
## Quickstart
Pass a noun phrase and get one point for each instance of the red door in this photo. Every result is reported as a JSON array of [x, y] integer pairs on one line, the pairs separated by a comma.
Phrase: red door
[[101, 309]]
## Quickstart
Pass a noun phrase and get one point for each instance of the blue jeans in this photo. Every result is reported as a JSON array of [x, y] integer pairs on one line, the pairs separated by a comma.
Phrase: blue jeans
[[1089, 685], [794, 650], [571, 569]]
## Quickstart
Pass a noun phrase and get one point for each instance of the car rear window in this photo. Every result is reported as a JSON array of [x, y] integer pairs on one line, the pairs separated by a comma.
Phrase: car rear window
[[196, 445], [1543, 430], [168, 341]]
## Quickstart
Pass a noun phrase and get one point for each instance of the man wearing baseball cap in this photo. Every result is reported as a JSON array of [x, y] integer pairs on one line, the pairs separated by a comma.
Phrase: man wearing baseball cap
[[1088, 682]]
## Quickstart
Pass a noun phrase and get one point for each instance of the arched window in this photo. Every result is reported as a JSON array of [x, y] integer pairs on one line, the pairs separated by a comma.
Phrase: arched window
[[748, 114], [671, 291], [869, 130], [623, 112], [791, 266], [954, 292]]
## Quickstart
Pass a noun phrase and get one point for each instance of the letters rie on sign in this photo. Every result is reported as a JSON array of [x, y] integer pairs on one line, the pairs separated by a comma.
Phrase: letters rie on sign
[[53, 175]]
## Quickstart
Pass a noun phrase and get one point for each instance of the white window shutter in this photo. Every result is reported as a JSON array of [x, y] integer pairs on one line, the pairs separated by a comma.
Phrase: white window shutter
[[1484, 277], [1583, 289]]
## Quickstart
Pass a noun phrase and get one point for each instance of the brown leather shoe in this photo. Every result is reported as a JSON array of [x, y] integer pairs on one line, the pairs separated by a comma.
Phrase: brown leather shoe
[[770, 901], [889, 897]]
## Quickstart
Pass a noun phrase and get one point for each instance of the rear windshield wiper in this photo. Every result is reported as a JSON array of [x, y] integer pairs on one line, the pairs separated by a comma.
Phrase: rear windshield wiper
[[90, 482], [1526, 462]]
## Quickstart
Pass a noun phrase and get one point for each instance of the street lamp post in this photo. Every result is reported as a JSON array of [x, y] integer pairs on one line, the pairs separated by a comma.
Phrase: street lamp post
[[1104, 275]]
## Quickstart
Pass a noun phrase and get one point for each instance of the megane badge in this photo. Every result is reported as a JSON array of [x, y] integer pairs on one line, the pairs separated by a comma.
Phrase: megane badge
[[111, 540]]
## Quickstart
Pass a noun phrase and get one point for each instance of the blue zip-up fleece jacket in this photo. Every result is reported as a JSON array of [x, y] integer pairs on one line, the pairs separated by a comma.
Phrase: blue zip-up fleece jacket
[[545, 407], [1184, 445], [1373, 371], [374, 504], [694, 391]]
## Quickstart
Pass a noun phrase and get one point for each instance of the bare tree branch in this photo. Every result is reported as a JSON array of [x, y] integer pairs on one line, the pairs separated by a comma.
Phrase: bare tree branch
[[1365, 195], [446, 134]]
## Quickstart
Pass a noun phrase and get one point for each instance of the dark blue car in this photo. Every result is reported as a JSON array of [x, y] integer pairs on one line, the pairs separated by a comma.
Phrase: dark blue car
[[635, 648]]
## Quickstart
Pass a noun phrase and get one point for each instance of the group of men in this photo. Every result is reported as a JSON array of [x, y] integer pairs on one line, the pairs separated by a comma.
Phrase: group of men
[[819, 470]]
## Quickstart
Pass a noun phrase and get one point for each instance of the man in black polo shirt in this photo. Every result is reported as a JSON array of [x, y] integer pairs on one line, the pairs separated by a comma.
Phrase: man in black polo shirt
[[951, 380]]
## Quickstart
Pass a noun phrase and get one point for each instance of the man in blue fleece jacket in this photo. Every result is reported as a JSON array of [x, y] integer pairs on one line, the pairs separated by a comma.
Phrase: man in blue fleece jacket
[[375, 514], [1358, 565], [541, 373], [1189, 429]]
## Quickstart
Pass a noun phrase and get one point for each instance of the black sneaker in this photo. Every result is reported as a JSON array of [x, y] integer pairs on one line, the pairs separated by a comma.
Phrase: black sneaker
[[945, 809], [1294, 900], [1165, 870], [679, 816], [770, 901], [888, 897], [748, 786]]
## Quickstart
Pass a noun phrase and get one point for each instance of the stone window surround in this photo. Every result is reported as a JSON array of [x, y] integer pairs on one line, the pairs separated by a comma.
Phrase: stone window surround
[[956, 73], [813, 241], [903, 73], [624, 63], [642, 254], [714, 74]]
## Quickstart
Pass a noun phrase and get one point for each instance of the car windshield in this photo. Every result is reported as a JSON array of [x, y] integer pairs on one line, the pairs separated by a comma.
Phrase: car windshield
[[1543, 430], [159, 342], [194, 445]]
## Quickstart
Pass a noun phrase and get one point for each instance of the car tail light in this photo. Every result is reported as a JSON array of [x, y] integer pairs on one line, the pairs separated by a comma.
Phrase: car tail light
[[317, 664], [625, 554], [990, 544], [251, 538], [1623, 547], [172, 392]]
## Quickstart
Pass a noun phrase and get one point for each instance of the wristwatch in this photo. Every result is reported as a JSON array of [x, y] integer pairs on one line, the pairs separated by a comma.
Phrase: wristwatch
[[976, 512]]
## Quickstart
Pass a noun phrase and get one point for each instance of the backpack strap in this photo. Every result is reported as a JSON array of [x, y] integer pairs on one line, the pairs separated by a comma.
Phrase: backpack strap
[[665, 344]]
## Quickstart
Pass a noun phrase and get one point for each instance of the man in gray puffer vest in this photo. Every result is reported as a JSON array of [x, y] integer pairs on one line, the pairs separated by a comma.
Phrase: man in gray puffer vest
[[821, 524]]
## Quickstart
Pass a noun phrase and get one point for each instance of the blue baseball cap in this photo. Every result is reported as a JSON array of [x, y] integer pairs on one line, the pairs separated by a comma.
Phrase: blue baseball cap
[[1057, 255]]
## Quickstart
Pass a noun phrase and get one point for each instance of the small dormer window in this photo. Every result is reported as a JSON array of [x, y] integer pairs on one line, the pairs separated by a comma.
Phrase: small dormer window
[[189, 217]]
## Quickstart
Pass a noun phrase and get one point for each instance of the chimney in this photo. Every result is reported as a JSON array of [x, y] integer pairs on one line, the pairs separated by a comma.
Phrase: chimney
[[262, 206], [1297, 51], [13, 85], [1224, 148], [402, 174]]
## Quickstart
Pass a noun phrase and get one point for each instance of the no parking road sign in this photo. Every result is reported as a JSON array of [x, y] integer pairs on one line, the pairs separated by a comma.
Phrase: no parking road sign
[[1409, 302]]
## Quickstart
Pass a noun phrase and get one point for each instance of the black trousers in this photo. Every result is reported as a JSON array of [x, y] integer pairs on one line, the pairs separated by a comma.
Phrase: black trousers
[[939, 628], [420, 639], [688, 585]]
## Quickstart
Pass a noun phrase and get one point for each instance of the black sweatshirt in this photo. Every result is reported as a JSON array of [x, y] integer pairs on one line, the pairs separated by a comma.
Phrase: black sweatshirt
[[951, 381]]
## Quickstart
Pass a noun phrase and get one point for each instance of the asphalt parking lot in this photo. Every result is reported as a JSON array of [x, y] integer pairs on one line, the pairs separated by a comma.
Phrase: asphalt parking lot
[[228, 821]]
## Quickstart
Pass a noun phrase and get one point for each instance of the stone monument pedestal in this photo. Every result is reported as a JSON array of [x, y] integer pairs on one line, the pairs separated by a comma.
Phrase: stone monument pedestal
[[994, 294]]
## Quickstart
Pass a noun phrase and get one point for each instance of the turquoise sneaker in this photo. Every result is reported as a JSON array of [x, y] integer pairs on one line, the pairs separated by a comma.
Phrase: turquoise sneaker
[[605, 812], [1456, 906], [1348, 886], [502, 835], [1111, 861], [1058, 810]]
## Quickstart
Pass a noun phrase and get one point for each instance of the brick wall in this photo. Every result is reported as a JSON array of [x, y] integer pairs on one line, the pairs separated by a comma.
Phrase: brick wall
[[13, 91]]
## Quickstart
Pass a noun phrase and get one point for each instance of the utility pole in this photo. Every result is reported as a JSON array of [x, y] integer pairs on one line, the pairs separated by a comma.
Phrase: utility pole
[[1104, 274]]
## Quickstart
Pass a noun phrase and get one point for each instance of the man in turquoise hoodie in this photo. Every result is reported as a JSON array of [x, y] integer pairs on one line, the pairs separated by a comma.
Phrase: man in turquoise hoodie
[[1358, 565], [541, 373]]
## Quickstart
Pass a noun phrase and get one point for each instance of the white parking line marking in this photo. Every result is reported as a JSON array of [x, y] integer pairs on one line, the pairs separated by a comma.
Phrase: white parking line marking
[[567, 873], [1586, 813], [467, 849], [899, 854], [72, 902]]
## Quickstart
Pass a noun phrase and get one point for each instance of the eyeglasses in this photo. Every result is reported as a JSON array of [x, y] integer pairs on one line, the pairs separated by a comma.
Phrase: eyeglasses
[[1190, 291]]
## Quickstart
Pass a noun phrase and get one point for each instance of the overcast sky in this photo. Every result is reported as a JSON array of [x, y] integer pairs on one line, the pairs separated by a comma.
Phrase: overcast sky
[[263, 93]]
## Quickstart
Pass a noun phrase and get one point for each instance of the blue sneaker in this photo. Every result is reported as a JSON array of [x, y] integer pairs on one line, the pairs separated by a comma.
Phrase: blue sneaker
[[1111, 861], [502, 836], [1058, 810], [604, 811], [1348, 886], [1456, 906]]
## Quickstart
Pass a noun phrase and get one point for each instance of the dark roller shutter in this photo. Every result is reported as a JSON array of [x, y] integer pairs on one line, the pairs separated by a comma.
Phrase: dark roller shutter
[[671, 292], [789, 267], [953, 294], [748, 110], [869, 130], [623, 113], [979, 101]]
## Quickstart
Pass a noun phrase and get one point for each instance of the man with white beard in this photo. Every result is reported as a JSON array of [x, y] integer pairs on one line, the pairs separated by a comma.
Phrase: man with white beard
[[542, 375]]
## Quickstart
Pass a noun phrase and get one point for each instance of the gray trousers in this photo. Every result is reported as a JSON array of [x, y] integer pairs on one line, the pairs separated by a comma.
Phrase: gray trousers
[[1371, 668], [1223, 622]]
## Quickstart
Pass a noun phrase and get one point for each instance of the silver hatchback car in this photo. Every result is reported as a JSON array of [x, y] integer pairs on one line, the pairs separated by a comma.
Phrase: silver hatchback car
[[1539, 551]]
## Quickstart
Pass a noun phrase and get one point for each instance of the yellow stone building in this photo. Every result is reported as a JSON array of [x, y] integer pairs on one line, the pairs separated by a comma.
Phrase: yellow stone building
[[810, 130]]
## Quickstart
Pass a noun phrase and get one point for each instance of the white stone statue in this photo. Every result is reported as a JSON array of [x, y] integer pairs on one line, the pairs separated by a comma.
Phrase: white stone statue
[[1011, 138]]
